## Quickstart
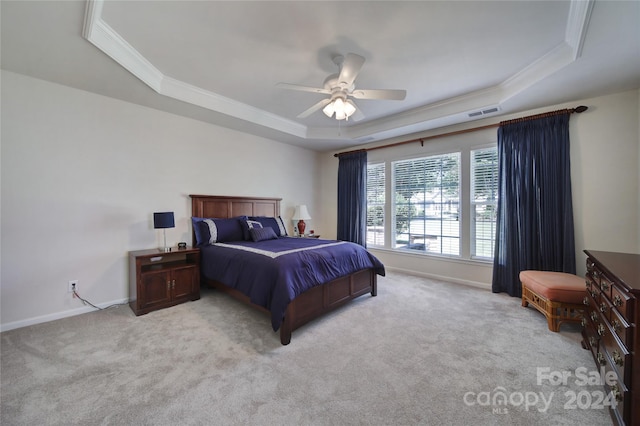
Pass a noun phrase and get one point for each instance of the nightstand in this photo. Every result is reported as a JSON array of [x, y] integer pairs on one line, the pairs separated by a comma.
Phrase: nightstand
[[159, 279]]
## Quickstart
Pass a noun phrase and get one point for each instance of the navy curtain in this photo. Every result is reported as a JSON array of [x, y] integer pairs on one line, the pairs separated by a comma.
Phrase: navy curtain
[[535, 214], [352, 197]]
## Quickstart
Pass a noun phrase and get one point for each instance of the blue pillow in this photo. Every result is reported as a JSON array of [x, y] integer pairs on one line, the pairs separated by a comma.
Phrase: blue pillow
[[271, 222], [262, 234], [247, 225], [212, 230]]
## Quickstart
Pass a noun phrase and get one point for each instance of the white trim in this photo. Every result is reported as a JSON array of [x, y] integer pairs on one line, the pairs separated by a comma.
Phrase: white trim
[[274, 254], [442, 113], [577, 24], [476, 284], [59, 315]]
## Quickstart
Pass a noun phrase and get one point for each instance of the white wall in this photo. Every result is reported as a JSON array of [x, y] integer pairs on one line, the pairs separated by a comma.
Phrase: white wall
[[82, 175], [605, 153]]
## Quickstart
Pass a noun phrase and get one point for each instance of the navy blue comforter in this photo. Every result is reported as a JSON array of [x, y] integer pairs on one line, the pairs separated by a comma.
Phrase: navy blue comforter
[[273, 272]]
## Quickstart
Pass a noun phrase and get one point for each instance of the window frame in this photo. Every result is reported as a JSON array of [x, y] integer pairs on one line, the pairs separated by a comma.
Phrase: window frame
[[462, 144], [374, 243], [473, 203], [423, 242]]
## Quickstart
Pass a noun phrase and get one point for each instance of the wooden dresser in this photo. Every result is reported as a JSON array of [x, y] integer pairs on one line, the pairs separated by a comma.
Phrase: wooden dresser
[[610, 327]]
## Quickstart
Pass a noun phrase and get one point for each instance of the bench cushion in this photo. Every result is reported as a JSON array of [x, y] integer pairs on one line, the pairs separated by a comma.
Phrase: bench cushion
[[555, 286]]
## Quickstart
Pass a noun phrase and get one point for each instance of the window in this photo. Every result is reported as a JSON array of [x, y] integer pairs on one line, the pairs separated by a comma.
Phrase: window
[[484, 201], [375, 204], [426, 204]]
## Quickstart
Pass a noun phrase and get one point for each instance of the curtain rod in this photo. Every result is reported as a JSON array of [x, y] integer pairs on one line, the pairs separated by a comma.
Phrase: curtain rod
[[578, 109]]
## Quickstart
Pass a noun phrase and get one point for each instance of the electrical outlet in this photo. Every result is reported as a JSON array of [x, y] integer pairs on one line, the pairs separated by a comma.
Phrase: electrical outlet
[[73, 286]]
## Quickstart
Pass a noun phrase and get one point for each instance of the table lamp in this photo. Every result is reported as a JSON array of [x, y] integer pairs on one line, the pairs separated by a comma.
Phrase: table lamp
[[301, 214], [164, 220]]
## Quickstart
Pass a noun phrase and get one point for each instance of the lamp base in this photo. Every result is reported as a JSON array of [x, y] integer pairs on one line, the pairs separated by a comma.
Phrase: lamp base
[[301, 227], [165, 248]]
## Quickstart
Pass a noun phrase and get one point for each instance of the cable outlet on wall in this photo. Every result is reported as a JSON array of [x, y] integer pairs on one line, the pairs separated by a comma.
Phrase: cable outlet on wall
[[73, 286]]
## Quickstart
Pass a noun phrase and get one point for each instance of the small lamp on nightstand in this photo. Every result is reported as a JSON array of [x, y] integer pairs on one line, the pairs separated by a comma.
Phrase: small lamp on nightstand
[[301, 214], [164, 220]]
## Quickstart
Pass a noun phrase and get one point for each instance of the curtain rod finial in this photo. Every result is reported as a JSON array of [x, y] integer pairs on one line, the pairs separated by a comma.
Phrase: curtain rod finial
[[580, 109]]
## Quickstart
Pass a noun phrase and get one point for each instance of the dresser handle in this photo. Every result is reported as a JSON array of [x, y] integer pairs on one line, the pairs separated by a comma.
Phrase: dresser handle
[[594, 316], [585, 301], [168, 285], [604, 286], [615, 390], [616, 325], [601, 329], [601, 359], [617, 300], [593, 341], [173, 284], [617, 359], [603, 307]]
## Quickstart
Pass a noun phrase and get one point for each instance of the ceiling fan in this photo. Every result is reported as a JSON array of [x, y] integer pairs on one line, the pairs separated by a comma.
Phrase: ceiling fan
[[340, 88]]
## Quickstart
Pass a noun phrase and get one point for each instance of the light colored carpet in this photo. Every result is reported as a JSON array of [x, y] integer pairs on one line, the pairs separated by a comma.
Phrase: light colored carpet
[[407, 356]]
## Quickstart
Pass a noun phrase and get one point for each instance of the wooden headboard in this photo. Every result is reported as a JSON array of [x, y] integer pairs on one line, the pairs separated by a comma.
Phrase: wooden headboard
[[224, 207]]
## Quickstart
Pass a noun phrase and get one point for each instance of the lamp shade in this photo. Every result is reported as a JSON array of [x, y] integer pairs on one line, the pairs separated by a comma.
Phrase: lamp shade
[[301, 213], [163, 220]]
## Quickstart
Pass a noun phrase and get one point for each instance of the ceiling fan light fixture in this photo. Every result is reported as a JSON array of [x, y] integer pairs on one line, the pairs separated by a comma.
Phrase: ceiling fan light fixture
[[349, 108], [329, 109], [342, 109]]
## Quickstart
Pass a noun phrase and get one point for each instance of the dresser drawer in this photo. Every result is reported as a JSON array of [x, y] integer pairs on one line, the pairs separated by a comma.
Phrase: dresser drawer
[[605, 284], [618, 354], [621, 327], [623, 302], [593, 289], [618, 392]]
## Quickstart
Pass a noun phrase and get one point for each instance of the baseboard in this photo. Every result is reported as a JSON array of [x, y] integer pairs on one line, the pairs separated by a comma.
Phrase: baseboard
[[57, 315], [469, 283]]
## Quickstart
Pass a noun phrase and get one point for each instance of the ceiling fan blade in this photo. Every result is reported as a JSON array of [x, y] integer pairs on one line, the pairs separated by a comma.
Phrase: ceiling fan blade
[[314, 108], [389, 94], [350, 68], [303, 88]]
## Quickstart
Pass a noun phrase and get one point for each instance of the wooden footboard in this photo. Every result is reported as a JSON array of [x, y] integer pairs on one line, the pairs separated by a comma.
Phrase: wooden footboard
[[316, 301]]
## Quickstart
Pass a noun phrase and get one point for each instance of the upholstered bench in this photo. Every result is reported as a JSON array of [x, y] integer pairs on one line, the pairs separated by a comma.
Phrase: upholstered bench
[[558, 295]]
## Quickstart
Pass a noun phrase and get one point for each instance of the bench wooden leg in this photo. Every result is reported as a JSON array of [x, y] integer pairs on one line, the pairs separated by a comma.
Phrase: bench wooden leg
[[555, 312]]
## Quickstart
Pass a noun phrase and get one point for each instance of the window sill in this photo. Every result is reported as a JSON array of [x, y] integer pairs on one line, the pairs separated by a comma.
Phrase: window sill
[[436, 257]]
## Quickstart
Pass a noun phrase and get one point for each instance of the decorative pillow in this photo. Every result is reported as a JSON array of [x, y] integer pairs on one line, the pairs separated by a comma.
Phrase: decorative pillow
[[272, 222], [247, 225], [262, 234], [212, 230]]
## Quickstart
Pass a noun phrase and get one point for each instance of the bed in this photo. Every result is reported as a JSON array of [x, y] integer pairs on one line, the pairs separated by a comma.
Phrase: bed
[[301, 301]]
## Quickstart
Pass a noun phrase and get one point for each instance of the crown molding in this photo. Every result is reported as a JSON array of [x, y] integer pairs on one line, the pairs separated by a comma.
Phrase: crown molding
[[577, 24], [444, 112]]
